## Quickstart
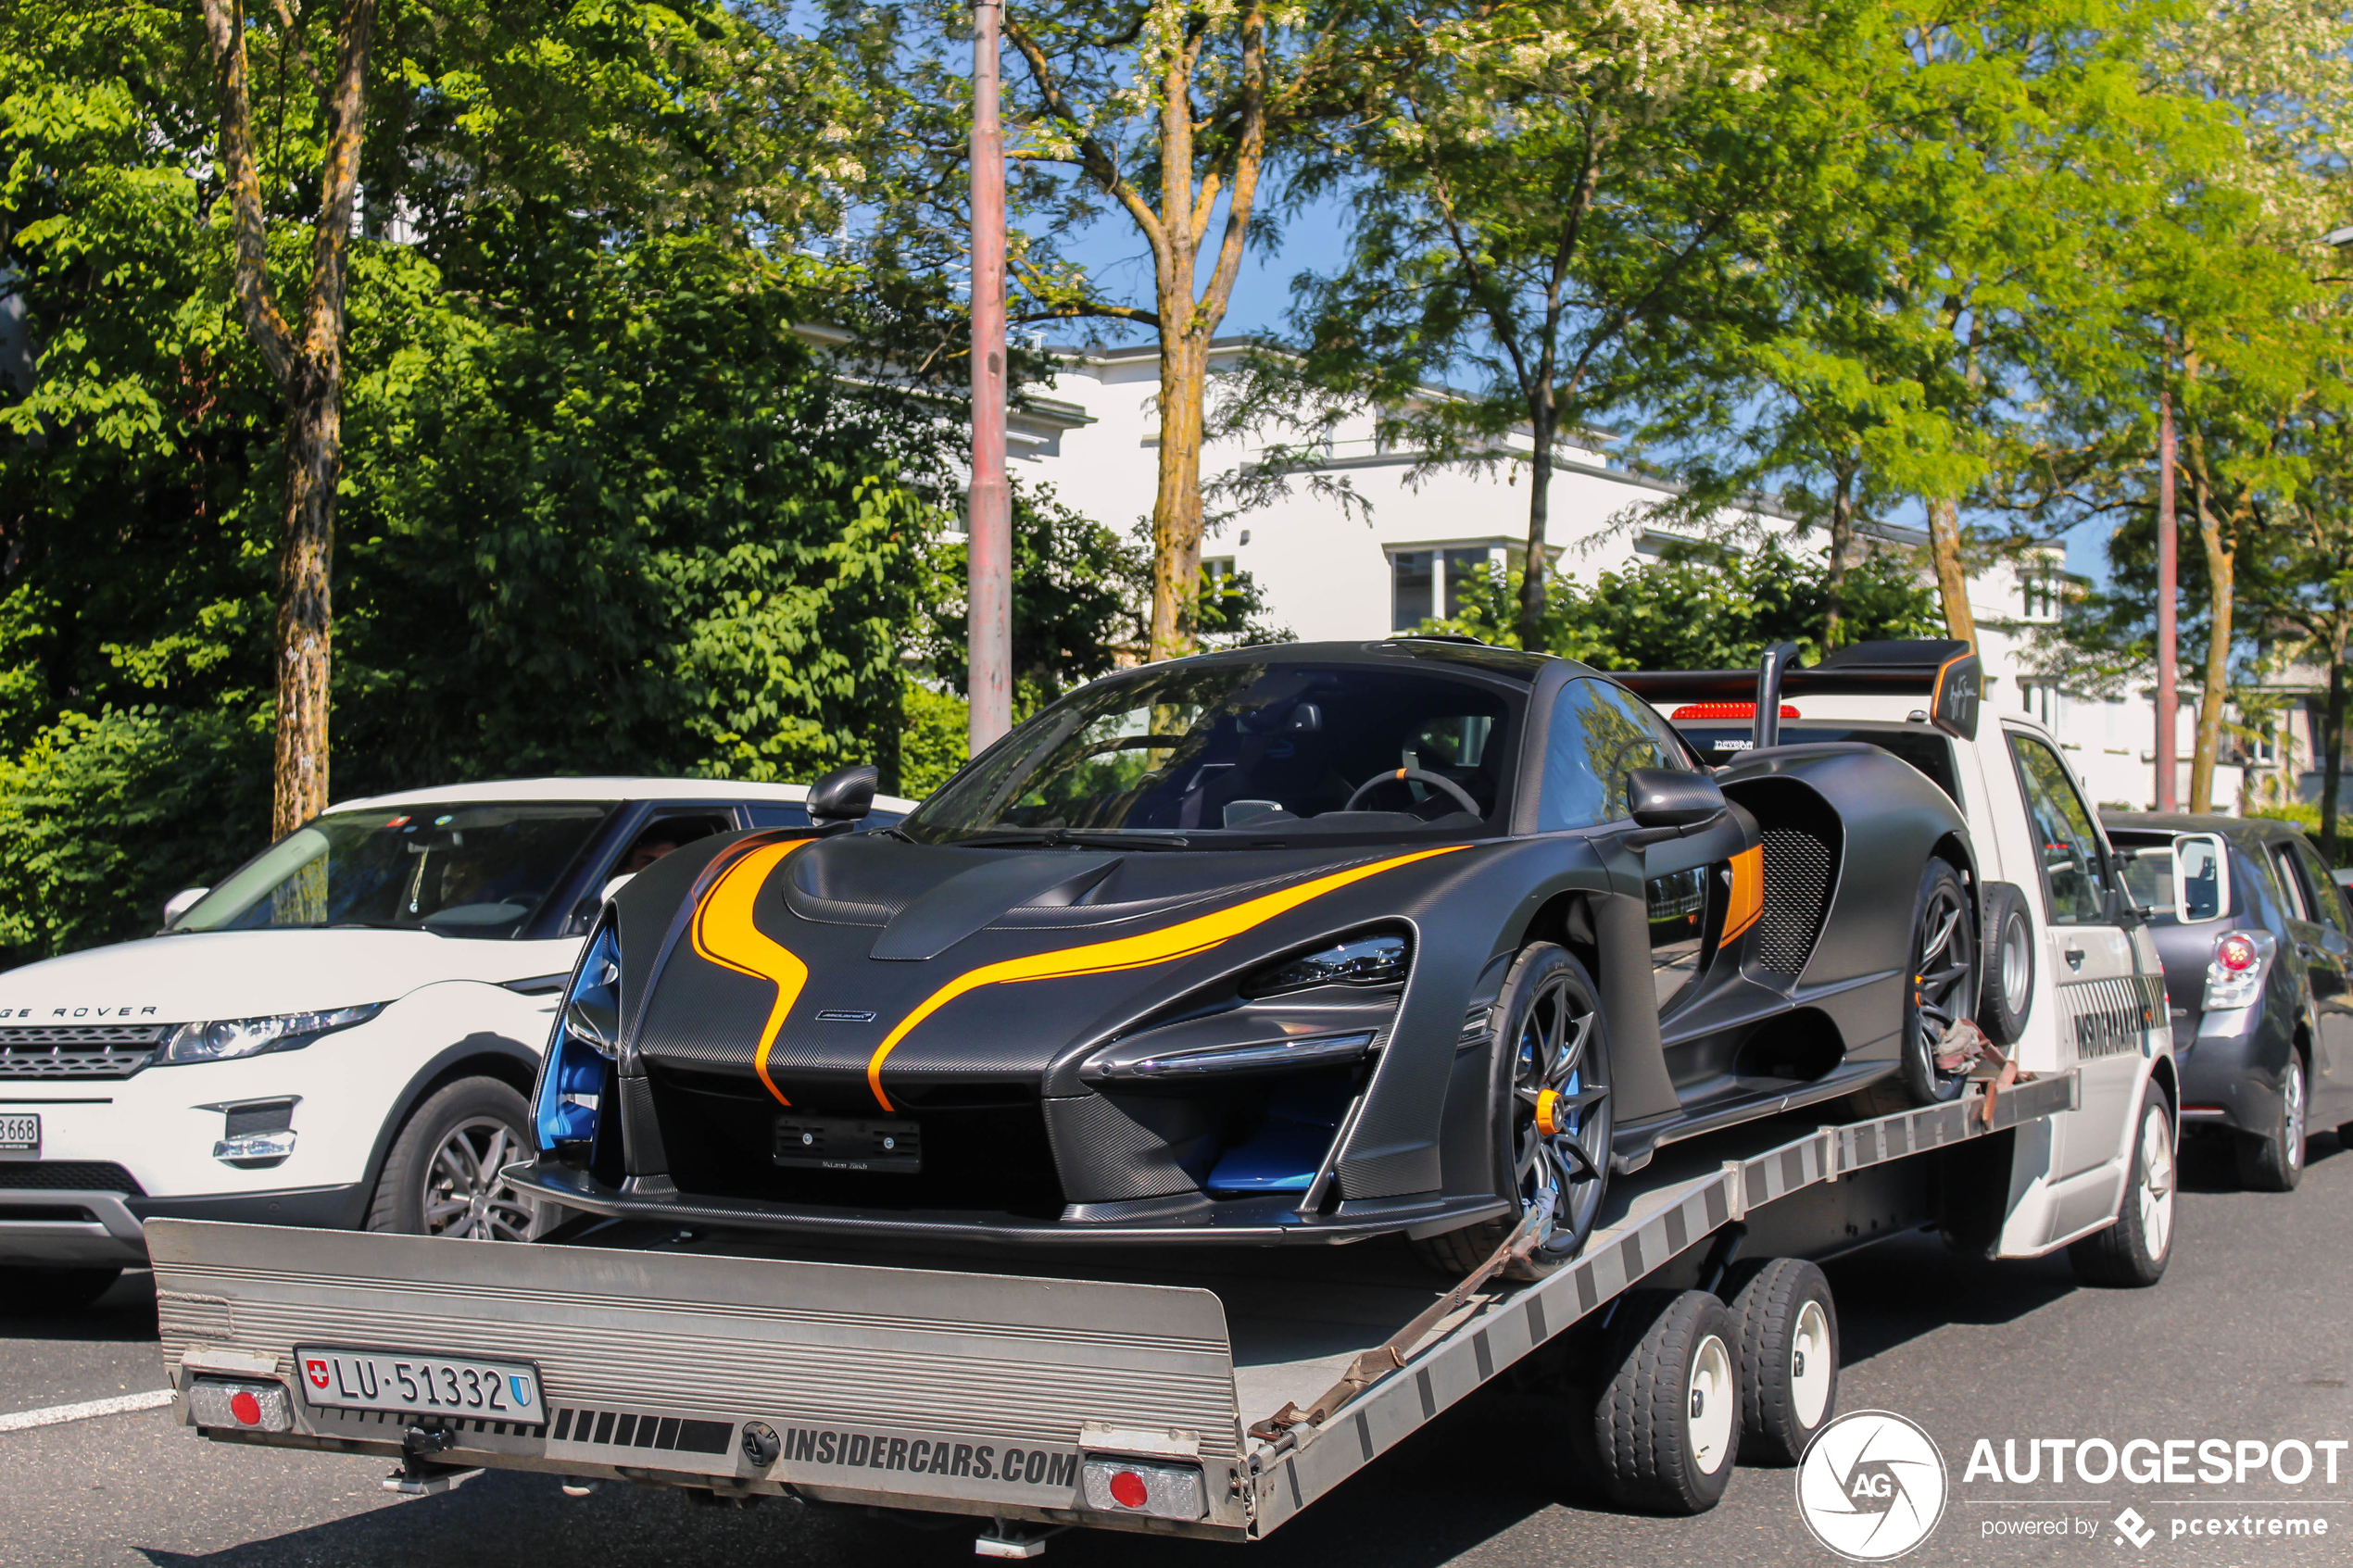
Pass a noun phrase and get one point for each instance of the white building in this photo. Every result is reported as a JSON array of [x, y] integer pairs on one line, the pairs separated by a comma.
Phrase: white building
[[1330, 572]]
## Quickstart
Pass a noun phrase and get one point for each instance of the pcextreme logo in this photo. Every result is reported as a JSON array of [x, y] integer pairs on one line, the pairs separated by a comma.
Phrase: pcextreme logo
[[1872, 1486]]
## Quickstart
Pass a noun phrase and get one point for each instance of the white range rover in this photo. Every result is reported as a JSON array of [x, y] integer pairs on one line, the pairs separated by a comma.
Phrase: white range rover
[[344, 1033]]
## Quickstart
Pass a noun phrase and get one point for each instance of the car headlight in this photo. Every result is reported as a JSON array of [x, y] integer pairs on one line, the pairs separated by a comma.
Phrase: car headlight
[[1363, 958], [220, 1039]]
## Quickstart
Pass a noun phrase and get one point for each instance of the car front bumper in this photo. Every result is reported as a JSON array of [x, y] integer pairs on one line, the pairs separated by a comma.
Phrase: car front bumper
[[88, 1227]]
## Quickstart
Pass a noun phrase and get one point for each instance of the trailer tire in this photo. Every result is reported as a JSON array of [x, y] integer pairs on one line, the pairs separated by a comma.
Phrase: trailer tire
[[1787, 1328], [2005, 986], [2131, 1253], [1667, 1422]]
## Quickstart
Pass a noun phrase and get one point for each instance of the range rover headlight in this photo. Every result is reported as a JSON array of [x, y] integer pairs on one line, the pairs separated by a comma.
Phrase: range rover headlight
[[1370, 958], [223, 1039], [579, 1071]]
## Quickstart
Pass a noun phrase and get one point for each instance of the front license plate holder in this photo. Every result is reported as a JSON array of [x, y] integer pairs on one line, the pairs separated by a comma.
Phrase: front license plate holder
[[19, 1133], [848, 1143], [420, 1383]]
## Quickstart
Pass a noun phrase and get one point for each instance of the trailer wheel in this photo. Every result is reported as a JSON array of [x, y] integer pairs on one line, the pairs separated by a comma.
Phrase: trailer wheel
[[1551, 1121], [2133, 1252], [1787, 1328], [1667, 1425]]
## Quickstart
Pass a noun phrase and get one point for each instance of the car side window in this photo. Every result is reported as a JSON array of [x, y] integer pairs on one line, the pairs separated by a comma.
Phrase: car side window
[[1599, 734], [2076, 879], [2318, 886], [2293, 891], [773, 814]]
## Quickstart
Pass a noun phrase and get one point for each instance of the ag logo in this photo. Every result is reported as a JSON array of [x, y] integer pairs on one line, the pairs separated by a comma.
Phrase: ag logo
[[316, 1369], [1872, 1486]]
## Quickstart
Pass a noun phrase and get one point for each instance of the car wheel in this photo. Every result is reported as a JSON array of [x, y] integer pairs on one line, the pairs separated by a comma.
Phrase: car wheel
[[1786, 1327], [1943, 988], [43, 1293], [2273, 1161], [443, 1174], [1551, 1124], [2134, 1252], [1667, 1425], [2006, 991]]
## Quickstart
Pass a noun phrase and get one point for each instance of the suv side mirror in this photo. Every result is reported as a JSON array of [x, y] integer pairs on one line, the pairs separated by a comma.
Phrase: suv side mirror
[[845, 794], [1669, 803], [182, 902]]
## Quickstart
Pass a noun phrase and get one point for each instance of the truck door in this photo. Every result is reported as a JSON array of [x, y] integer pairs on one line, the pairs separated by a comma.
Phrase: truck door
[[2315, 920], [2095, 984]]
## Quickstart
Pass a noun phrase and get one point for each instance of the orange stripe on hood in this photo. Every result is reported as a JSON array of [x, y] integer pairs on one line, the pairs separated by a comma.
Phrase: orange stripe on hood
[[724, 935], [1179, 941]]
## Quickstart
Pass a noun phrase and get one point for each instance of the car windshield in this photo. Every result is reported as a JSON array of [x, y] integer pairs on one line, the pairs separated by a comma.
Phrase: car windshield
[[1238, 754], [457, 870]]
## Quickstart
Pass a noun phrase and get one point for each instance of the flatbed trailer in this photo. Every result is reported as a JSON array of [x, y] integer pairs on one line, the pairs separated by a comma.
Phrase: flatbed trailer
[[1214, 1395]]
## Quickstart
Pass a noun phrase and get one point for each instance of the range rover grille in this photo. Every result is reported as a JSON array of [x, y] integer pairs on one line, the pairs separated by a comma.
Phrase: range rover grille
[[95, 1051]]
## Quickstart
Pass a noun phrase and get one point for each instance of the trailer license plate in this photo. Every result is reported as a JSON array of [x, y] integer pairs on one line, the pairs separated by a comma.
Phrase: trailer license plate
[[469, 1388], [20, 1135]]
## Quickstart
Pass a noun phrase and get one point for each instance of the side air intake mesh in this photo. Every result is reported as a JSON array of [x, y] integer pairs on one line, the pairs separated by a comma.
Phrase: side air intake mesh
[[1798, 868]]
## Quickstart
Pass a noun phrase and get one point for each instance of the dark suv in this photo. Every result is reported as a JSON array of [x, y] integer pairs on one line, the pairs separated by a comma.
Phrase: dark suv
[[2254, 934]]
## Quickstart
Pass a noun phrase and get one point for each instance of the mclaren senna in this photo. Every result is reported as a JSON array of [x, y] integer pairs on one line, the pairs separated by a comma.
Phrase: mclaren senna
[[1307, 943]]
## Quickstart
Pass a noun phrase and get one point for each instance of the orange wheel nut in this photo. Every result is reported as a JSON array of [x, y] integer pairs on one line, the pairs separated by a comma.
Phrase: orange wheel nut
[[1547, 1103]]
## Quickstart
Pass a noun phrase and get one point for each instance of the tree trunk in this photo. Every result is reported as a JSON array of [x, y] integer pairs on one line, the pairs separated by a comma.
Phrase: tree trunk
[[1842, 541], [2331, 752], [1543, 428], [1177, 522], [2221, 566], [1952, 581], [306, 606]]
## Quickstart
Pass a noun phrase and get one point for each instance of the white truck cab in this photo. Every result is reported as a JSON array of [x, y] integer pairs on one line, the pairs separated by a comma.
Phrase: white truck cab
[[342, 1033], [2072, 976]]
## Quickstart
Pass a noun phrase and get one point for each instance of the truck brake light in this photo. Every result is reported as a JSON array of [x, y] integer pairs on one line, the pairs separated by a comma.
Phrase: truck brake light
[[1114, 1485]]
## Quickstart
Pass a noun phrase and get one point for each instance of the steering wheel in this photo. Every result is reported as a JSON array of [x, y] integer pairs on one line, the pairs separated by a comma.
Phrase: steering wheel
[[1433, 780]]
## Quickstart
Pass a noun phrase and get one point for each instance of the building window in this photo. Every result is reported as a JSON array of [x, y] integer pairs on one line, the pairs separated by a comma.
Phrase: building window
[[2040, 700], [1437, 584], [2040, 587], [1221, 591]]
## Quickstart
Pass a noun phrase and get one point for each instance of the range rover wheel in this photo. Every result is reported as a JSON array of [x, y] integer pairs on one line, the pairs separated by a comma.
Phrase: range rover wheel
[[443, 1174], [1550, 1091]]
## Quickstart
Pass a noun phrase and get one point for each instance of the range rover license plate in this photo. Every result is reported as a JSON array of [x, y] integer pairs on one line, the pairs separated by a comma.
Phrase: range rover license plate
[[468, 1387], [19, 1133], [845, 1143]]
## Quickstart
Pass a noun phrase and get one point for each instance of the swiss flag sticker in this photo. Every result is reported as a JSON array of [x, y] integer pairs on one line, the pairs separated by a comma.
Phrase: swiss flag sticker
[[316, 1369]]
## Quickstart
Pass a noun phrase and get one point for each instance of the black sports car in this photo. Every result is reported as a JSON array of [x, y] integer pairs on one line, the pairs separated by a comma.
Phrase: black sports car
[[1298, 943]]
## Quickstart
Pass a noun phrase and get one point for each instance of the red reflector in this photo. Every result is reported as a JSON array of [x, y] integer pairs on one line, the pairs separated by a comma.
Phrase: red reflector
[[1725, 710], [245, 1407], [1127, 1490], [2236, 951]]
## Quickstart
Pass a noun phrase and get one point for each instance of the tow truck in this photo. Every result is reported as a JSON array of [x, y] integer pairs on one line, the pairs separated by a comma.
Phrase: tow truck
[[1218, 1393]]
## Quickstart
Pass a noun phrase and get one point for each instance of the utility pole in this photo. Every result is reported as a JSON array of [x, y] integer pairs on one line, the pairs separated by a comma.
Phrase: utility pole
[[2168, 573], [989, 544]]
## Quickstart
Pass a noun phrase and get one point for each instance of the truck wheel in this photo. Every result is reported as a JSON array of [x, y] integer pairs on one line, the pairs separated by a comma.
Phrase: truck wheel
[[2005, 992], [2133, 1252], [2273, 1161], [1667, 1425], [1551, 1128], [1786, 1329], [42, 1293], [442, 1177]]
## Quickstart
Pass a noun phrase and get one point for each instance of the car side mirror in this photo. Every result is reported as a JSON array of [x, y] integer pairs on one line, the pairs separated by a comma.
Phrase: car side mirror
[[182, 902], [845, 794], [1669, 803]]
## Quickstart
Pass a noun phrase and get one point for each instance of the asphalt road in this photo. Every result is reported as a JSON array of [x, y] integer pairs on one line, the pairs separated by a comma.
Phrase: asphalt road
[[2246, 1339]]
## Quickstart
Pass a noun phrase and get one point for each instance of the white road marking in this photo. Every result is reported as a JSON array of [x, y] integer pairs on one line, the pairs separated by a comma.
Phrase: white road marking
[[19, 1420]]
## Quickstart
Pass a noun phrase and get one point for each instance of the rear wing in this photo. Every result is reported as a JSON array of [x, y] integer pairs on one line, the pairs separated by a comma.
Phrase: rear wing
[[1945, 673]]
